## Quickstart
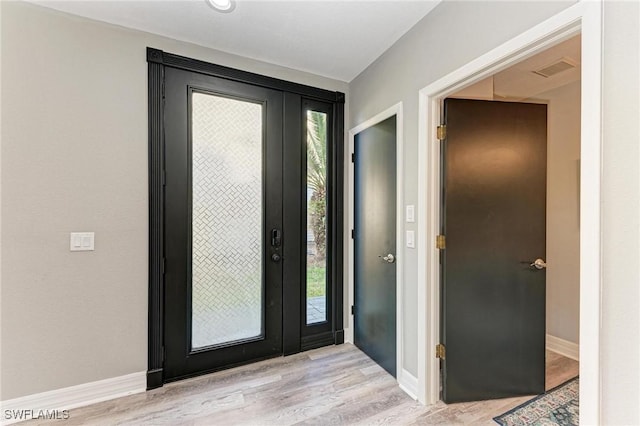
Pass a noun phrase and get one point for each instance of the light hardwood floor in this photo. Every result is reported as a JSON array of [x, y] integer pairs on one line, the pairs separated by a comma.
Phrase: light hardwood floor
[[327, 386]]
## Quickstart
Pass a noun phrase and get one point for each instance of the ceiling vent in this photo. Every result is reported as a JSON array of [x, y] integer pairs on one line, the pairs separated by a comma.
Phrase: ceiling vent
[[557, 67]]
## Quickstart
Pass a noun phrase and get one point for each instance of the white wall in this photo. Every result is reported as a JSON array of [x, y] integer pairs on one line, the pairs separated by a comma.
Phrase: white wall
[[563, 210], [482, 90], [457, 32], [620, 345], [74, 158], [0, 205]]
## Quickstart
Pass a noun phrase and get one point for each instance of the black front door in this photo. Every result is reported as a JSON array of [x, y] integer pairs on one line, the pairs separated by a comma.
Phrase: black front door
[[494, 221], [375, 243], [223, 223]]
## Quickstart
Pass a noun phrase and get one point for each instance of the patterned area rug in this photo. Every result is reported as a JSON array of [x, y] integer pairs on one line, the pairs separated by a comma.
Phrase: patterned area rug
[[559, 406]]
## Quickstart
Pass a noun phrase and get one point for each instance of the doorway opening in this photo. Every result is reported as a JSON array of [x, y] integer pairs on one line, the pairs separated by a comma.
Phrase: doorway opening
[[581, 19], [510, 217], [395, 239]]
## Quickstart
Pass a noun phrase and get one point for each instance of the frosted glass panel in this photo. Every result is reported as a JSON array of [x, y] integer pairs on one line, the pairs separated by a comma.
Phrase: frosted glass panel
[[227, 220]]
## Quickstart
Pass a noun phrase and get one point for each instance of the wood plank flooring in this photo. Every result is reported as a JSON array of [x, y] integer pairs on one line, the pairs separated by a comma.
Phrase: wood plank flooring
[[336, 385]]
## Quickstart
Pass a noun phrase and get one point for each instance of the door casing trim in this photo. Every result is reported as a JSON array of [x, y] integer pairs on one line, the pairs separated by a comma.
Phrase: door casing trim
[[403, 377], [582, 18]]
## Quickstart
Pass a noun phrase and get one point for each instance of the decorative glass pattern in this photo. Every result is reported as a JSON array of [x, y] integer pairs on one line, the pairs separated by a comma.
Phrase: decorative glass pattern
[[227, 290]]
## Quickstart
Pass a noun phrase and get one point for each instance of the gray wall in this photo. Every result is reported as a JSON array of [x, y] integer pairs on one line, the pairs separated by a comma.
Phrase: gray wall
[[457, 32], [74, 158], [563, 212]]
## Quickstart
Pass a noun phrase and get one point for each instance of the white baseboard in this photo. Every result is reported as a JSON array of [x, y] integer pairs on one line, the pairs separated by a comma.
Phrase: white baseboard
[[73, 396], [348, 335], [563, 347], [408, 383]]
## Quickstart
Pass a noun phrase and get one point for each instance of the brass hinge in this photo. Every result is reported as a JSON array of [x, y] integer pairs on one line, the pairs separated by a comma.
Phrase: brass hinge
[[441, 242], [440, 351], [441, 132]]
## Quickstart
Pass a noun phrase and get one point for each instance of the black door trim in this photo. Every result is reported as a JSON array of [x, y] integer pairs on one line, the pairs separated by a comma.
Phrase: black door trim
[[157, 61], [156, 228], [175, 61]]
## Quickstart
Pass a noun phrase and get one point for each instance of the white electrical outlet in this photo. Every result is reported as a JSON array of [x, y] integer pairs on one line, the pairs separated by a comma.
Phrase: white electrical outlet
[[82, 241]]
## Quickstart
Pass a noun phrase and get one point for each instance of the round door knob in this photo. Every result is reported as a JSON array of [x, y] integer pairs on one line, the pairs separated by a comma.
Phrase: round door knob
[[276, 257], [539, 264], [389, 258]]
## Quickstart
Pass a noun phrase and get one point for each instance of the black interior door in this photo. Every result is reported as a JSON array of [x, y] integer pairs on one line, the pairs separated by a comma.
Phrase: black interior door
[[223, 223], [375, 243], [494, 220]]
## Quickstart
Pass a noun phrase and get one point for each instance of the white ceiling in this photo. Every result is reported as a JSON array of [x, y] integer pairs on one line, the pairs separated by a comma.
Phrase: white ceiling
[[336, 39], [519, 82]]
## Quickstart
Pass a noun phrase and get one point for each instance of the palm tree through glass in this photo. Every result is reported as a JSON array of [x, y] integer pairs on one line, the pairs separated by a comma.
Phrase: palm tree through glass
[[316, 217]]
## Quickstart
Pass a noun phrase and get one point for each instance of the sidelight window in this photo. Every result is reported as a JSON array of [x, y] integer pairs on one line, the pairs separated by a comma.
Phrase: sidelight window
[[317, 208]]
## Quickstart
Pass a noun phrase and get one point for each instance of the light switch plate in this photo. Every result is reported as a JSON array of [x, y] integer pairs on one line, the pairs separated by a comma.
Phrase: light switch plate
[[82, 241], [410, 214], [411, 239]]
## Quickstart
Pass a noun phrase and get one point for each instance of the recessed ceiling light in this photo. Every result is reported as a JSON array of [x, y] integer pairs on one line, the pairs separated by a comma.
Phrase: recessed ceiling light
[[224, 6]]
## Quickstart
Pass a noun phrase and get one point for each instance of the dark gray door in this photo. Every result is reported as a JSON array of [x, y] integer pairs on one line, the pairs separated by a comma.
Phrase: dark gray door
[[375, 243], [494, 219]]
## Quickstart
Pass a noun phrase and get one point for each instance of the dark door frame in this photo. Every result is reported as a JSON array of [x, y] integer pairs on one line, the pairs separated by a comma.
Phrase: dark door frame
[[294, 94]]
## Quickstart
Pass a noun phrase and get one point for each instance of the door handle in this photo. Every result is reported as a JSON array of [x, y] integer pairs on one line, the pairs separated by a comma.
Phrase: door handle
[[276, 237], [388, 258], [538, 264]]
